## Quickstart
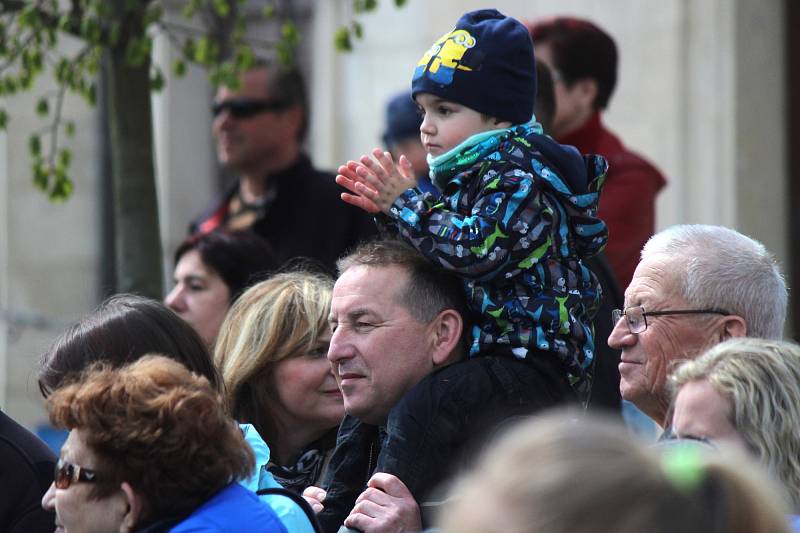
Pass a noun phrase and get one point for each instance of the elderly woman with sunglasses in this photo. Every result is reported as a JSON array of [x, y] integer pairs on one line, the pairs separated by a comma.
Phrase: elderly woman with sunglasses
[[151, 449]]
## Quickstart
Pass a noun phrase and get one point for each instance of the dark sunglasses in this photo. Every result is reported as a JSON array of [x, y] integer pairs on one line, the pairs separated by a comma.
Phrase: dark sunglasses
[[246, 107], [67, 473]]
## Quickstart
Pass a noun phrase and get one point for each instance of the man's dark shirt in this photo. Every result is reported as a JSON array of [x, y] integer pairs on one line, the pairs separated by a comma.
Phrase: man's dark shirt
[[303, 216]]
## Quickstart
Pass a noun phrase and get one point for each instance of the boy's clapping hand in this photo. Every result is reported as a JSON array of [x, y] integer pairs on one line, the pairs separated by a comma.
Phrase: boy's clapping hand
[[375, 181]]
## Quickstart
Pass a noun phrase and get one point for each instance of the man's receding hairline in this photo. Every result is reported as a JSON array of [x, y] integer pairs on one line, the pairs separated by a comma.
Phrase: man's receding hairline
[[399, 290]]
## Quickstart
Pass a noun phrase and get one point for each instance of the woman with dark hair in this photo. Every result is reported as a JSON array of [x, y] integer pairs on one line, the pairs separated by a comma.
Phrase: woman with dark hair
[[121, 330], [151, 448], [211, 271]]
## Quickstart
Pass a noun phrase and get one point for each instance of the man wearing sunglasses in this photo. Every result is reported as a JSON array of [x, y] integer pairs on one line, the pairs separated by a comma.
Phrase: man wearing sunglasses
[[694, 287], [260, 128]]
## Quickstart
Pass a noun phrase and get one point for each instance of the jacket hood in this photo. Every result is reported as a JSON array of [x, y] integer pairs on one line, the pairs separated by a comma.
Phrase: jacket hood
[[575, 179]]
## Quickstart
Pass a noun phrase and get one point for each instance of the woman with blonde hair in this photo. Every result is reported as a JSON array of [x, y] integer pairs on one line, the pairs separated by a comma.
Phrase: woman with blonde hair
[[557, 474], [272, 355], [746, 391]]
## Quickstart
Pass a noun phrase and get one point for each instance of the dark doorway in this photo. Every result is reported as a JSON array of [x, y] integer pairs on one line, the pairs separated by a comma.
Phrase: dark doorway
[[793, 145]]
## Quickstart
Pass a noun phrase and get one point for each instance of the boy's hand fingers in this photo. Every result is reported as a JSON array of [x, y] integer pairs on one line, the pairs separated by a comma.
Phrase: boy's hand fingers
[[377, 170], [406, 169], [350, 170], [368, 177], [367, 192], [347, 183], [360, 202], [385, 160]]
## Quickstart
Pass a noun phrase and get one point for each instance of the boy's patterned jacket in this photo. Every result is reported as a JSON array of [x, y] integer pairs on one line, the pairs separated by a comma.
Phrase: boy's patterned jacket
[[516, 215]]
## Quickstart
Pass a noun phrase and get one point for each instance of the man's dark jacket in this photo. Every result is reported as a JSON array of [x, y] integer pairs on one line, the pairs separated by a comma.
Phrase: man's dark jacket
[[437, 427], [306, 217], [26, 471]]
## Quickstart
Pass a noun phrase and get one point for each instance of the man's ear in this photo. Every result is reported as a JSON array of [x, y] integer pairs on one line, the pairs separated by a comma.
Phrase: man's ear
[[134, 502], [446, 331], [587, 89], [294, 118], [733, 326]]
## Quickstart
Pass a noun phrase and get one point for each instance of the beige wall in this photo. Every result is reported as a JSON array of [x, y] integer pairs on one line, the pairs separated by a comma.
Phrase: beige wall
[[49, 268]]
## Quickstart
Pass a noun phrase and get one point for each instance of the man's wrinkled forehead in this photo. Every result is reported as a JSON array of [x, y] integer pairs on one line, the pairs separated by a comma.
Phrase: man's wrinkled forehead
[[657, 278], [252, 83], [370, 285]]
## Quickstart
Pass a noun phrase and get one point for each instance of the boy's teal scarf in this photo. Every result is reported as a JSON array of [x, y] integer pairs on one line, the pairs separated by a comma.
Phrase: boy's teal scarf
[[474, 148]]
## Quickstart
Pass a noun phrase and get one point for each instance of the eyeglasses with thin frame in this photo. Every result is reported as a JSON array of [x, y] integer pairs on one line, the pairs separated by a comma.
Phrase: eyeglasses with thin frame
[[246, 107], [67, 473], [636, 317]]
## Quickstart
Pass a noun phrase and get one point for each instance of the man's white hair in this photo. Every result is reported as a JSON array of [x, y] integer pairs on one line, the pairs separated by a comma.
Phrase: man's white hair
[[717, 267]]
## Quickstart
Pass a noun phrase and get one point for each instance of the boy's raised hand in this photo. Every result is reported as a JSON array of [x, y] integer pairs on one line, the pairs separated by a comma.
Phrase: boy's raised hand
[[348, 178], [376, 181]]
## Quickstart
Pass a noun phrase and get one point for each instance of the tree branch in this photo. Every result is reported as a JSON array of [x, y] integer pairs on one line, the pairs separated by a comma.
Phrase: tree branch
[[51, 20]]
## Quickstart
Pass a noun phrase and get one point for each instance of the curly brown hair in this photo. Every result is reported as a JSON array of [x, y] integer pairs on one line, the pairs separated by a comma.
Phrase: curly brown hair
[[157, 426]]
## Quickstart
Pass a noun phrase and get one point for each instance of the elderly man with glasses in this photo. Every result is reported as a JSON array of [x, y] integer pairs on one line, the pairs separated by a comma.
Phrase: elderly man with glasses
[[694, 287], [260, 127]]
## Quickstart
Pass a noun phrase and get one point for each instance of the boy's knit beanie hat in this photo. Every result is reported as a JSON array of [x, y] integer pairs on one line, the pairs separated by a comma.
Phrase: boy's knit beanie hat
[[485, 63]]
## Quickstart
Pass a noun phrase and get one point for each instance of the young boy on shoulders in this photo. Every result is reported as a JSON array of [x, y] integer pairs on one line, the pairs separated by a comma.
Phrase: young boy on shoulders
[[517, 212], [516, 215]]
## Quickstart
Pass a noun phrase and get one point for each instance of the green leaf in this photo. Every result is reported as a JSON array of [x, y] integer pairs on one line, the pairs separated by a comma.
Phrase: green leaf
[[362, 6], [26, 80], [114, 32], [10, 85], [69, 128], [91, 94], [65, 21], [358, 29], [400, 3], [3, 119], [65, 157], [29, 17], [42, 107], [206, 51], [221, 8], [35, 145], [41, 175], [290, 33], [138, 50], [62, 70], [268, 11], [244, 58], [190, 8], [239, 30], [285, 52], [102, 9], [153, 15], [90, 30], [156, 80], [179, 68], [189, 47], [341, 40], [62, 187], [52, 36]]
